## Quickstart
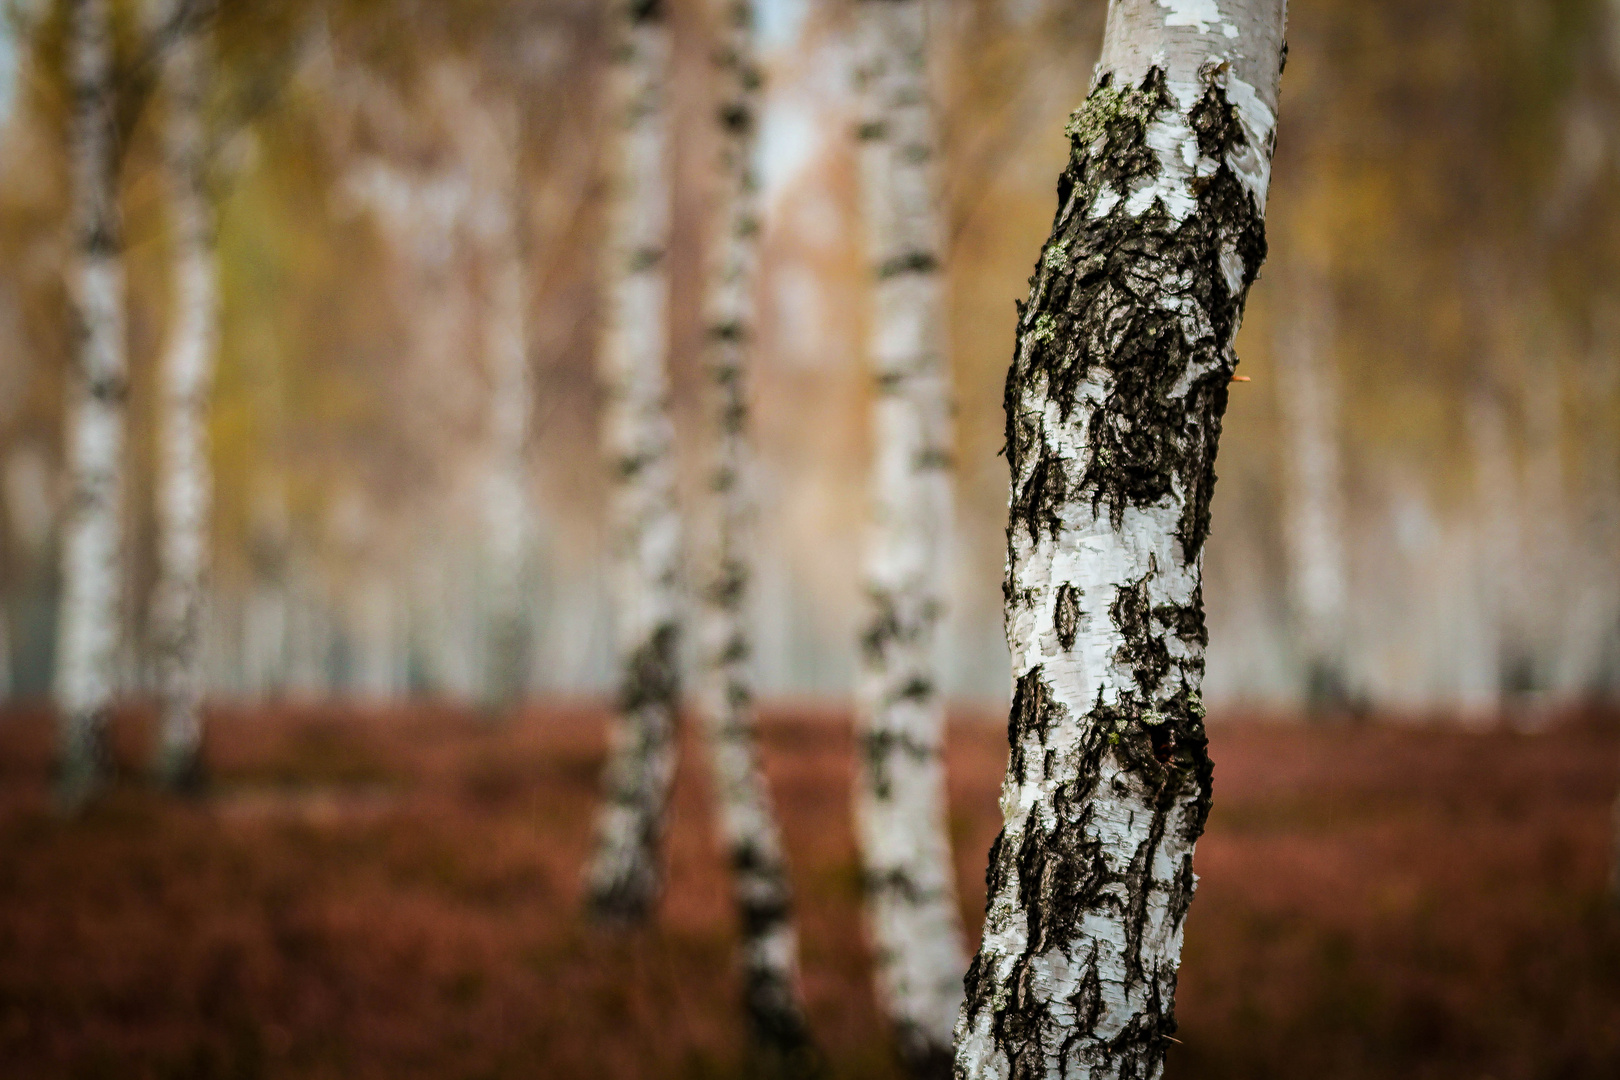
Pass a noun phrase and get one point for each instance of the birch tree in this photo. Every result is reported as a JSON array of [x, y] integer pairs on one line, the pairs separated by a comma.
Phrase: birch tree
[[92, 571], [908, 877], [638, 441], [12, 34], [1313, 497], [507, 503], [748, 828], [1114, 403], [184, 482]]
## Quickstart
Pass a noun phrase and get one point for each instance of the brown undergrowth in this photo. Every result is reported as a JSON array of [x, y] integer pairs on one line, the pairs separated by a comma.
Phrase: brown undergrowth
[[396, 894]]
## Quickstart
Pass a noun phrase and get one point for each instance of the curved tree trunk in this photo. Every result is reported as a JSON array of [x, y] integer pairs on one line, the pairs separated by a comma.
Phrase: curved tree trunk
[[900, 790], [638, 438], [88, 626], [1313, 490], [184, 481], [760, 889], [1114, 405]]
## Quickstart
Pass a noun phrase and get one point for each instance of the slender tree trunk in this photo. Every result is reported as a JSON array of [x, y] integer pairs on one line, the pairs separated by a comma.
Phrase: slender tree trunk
[[638, 438], [1314, 501], [900, 790], [184, 480], [1114, 404], [1499, 549], [508, 504], [88, 626], [770, 947]]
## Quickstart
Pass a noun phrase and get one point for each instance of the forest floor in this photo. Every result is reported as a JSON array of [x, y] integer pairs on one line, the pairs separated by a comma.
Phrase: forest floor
[[395, 894]]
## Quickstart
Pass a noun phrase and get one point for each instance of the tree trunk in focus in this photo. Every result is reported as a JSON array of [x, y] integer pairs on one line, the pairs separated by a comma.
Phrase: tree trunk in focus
[[624, 878], [184, 481], [1307, 387], [748, 828], [908, 875], [88, 624], [1114, 403]]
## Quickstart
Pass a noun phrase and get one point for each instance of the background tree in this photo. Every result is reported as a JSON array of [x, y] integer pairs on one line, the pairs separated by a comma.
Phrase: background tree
[[88, 625], [900, 789], [760, 887], [1313, 493], [184, 484], [1114, 404], [638, 438], [748, 828]]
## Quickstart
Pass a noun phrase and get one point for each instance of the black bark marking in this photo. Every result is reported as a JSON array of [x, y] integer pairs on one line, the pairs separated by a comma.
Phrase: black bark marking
[[652, 675], [1067, 615]]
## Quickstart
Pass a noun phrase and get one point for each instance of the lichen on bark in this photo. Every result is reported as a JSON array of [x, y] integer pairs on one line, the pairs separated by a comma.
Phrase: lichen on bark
[[1114, 403]]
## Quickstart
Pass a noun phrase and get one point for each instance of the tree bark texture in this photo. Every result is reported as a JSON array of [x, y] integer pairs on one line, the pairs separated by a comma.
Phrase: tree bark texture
[[88, 625], [748, 827], [1307, 388], [1114, 403], [638, 438], [184, 479], [909, 881]]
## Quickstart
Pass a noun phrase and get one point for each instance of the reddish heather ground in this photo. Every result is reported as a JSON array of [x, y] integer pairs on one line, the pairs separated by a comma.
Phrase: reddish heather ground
[[395, 895]]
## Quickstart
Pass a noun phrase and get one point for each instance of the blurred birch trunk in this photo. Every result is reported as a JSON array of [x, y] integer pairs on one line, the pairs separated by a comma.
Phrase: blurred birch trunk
[[908, 875], [753, 841], [1313, 494], [624, 879], [88, 630], [184, 482], [1114, 405], [13, 33], [507, 506]]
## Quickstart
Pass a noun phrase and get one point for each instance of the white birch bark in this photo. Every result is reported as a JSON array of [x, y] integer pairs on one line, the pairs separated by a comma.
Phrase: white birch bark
[[184, 482], [1313, 493], [638, 441], [1114, 403], [748, 828], [900, 788], [88, 624]]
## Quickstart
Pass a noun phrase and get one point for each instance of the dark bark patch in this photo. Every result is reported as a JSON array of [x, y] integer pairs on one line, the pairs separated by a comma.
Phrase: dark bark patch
[[652, 673], [1067, 615]]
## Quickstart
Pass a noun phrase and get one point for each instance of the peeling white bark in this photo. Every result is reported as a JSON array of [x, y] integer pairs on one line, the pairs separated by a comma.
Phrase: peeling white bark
[[1114, 406], [748, 828], [900, 790], [92, 570], [184, 480], [638, 441], [1313, 495]]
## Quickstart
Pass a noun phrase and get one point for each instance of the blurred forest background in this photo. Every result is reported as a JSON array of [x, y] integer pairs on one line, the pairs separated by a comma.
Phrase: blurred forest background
[[1420, 493]]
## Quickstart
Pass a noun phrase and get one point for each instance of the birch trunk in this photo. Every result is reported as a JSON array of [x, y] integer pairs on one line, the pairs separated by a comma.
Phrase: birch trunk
[[88, 625], [1314, 504], [748, 828], [184, 481], [1114, 404], [507, 509], [908, 876], [638, 439]]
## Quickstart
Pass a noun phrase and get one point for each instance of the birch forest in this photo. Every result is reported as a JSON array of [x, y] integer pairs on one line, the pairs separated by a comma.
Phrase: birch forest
[[810, 539]]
